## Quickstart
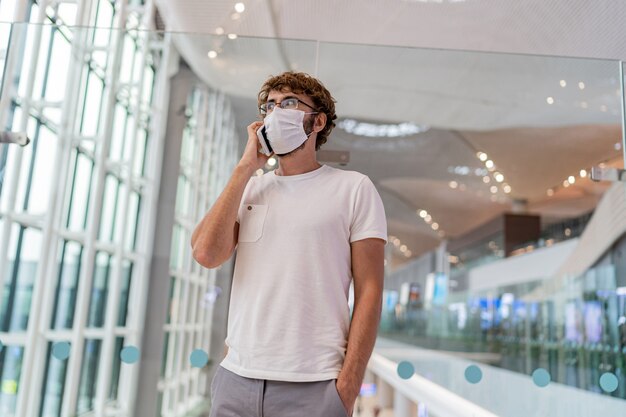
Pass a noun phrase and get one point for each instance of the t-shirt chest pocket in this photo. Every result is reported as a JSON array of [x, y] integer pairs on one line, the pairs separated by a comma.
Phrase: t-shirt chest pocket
[[252, 221]]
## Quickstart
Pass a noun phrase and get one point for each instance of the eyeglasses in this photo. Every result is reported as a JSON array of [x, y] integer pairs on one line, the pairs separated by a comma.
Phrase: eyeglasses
[[286, 104]]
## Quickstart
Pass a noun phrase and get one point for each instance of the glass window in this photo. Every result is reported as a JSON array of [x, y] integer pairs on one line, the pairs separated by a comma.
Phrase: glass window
[[140, 153], [130, 137], [119, 214], [80, 191], [108, 208], [119, 129], [22, 279], [128, 57], [43, 171], [67, 285], [11, 360], [127, 273], [117, 362], [104, 20], [133, 219], [89, 376], [93, 103], [60, 56], [99, 290], [53, 385]]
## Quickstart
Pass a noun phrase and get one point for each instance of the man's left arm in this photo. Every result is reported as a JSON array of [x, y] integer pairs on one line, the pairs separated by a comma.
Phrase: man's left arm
[[368, 257]]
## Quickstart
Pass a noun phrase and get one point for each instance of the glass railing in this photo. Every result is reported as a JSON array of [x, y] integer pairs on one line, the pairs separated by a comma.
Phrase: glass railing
[[577, 333]]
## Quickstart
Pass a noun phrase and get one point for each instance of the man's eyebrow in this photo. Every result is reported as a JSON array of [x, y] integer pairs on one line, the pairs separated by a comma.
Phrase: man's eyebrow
[[286, 97]]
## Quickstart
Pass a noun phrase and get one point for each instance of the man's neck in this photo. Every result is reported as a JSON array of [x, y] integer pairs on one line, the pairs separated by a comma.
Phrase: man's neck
[[291, 166]]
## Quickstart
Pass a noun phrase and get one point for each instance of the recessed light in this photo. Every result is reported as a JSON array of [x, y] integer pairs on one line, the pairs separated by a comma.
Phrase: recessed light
[[563, 83], [584, 105], [428, 218], [435, 226], [550, 100], [212, 54], [423, 213], [219, 31], [482, 156], [571, 179], [232, 36], [550, 192], [489, 164], [583, 173], [403, 248], [240, 7], [486, 180], [235, 16], [581, 85], [507, 188], [494, 189], [453, 184], [271, 161], [499, 177]]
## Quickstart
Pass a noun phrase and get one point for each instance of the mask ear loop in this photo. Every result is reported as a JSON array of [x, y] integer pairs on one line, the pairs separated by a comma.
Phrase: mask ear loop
[[313, 112]]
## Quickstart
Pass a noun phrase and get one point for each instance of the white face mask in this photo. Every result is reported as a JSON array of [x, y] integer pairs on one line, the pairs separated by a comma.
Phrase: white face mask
[[285, 130]]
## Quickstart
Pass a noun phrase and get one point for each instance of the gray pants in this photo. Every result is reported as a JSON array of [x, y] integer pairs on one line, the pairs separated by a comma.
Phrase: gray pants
[[235, 396]]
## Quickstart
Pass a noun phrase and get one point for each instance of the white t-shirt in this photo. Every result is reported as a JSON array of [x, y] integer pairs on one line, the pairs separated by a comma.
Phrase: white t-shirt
[[289, 316]]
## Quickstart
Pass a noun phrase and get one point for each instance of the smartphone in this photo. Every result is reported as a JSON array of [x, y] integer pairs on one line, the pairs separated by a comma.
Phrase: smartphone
[[266, 148]]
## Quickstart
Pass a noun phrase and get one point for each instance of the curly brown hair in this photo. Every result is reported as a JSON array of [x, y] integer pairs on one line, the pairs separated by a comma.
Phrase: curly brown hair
[[302, 83]]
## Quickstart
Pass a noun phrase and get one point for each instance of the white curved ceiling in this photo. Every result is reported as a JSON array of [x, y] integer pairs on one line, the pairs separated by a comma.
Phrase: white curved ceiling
[[515, 107]]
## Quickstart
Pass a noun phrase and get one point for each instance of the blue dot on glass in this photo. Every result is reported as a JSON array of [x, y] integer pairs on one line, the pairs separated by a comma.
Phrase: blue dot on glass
[[608, 382], [61, 350], [405, 370], [541, 377], [473, 374], [130, 354], [198, 358]]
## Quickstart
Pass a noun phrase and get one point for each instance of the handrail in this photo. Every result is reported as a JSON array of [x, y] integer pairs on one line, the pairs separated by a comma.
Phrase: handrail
[[440, 401]]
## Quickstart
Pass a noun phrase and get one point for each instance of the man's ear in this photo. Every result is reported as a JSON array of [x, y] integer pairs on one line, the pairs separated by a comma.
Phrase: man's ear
[[320, 122]]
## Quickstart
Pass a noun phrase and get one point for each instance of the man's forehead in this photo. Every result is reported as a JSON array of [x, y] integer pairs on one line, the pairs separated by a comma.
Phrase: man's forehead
[[274, 94]]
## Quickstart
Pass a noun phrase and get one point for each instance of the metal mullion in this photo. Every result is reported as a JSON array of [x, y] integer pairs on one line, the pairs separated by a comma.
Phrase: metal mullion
[[14, 338], [73, 372], [111, 320], [9, 90], [34, 362], [154, 146], [55, 220]]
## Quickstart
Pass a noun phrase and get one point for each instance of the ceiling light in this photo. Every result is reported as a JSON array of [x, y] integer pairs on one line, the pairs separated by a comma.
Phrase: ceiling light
[[571, 179], [489, 164], [212, 54], [235, 16], [423, 213], [583, 173], [435, 226], [240, 7], [453, 184], [272, 161], [563, 83], [507, 188], [486, 180], [403, 248], [259, 172], [494, 189], [408, 253], [581, 85], [499, 177], [232, 36], [428, 218], [550, 192], [566, 183], [603, 108], [584, 105], [381, 130], [482, 156], [396, 242], [219, 31], [550, 100]]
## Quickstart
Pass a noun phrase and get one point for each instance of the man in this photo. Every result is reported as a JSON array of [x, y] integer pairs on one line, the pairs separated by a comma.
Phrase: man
[[303, 232]]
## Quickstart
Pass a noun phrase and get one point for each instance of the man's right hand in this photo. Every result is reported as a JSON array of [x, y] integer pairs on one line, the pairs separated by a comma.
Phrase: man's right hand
[[252, 157]]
